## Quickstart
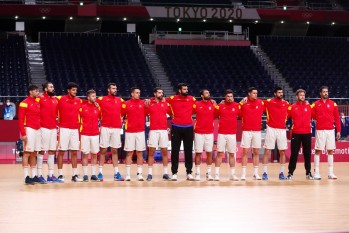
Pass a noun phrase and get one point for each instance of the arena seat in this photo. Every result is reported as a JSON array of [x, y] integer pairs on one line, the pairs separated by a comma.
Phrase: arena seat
[[319, 4], [93, 60], [14, 76], [216, 68], [186, 2], [310, 62]]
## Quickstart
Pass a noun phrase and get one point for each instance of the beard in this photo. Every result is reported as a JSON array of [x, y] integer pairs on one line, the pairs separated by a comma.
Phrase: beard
[[184, 94], [207, 98], [51, 93]]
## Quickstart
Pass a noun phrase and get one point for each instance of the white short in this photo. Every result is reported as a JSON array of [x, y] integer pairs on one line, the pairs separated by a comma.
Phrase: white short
[[110, 137], [158, 139], [273, 136], [48, 139], [134, 141], [251, 138], [68, 139], [325, 139], [226, 142], [33, 140], [89, 144], [203, 142]]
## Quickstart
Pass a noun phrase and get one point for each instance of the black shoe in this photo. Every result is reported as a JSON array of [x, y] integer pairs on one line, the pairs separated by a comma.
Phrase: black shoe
[[289, 176], [76, 178], [29, 181], [309, 176], [36, 179]]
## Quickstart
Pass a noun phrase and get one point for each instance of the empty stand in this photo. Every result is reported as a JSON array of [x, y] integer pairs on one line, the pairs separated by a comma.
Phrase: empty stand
[[215, 68], [186, 2], [13, 67], [319, 4], [310, 62], [94, 60]]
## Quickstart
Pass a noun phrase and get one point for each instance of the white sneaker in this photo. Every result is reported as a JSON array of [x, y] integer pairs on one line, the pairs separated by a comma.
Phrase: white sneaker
[[197, 177], [209, 177], [140, 177], [128, 178], [216, 177], [234, 178], [243, 178], [317, 176], [190, 177], [332, 177], [174, 177], [257, 177]]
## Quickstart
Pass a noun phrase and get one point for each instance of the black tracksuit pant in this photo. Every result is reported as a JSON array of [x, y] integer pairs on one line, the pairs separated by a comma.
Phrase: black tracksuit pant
[[296, 142], [177, 135]]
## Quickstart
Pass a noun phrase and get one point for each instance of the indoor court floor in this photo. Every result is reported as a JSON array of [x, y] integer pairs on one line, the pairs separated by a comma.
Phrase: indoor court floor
[[181, 206]]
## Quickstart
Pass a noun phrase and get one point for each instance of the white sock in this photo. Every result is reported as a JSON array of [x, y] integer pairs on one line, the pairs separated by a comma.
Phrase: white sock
[[165, 170], [265, 168], [282, 168], [197, 169], [60, 172], [39, 161], [51, 164], [139, 169], [330, 164], [25, 171], [232, 171], [75, 171], [150, 170], [243, 172], [317, 163], [84, 168], [255, 170], [208, 171], [33, 169], [128, 170], [93, 169], [116, 170], [100, 169], [216, 170]]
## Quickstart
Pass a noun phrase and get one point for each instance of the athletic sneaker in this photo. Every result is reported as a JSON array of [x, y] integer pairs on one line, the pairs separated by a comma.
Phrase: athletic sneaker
[[190, 177], [166, 177], [289, 176], [60, 178], [128, 178], [149, 177], [36, 180], [85, 178], [309, 176], [174, 177], [197, 177], [76, 178], [29, 181], [243, 178], [317, 176], [282, 176], [216, 177], [332, 177], [53, 179], [94, 178], [257, 177], [42, 180], [265, 176], [100, 176], [117, 177], [209, 177], [140, 177], [234, 178]]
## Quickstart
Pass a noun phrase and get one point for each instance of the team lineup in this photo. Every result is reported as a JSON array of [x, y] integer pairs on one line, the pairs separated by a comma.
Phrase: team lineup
[[95, 124]]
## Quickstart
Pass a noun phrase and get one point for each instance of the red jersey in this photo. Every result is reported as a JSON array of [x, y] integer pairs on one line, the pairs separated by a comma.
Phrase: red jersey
[[251, 114], [135, 115], [29, 114], [68, 111], [228, 113], [276, 110], [110, 111], [157, 112], [326, 114], [300, 112], [205, 114], [89, 115], [182, 109], [48, 111]]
